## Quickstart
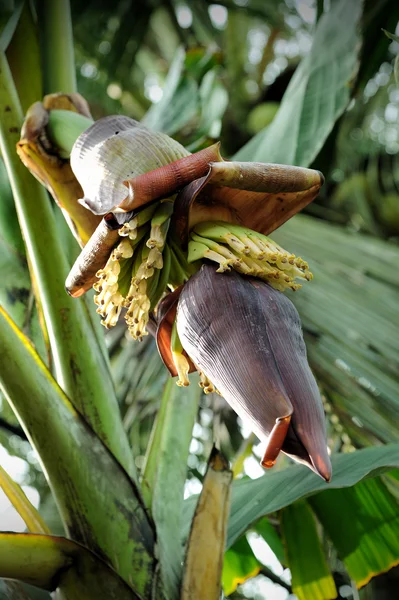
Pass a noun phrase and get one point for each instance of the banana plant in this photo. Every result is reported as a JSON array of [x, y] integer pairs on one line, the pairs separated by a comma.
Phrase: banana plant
[[166, 237]]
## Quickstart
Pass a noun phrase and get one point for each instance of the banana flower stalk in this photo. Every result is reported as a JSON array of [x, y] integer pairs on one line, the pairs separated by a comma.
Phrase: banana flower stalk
[[166, 217]]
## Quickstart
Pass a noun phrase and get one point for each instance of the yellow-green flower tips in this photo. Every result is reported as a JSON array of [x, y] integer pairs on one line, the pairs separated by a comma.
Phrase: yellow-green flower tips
[[131, 275], [109, 298], [181, 362], [248, 252]]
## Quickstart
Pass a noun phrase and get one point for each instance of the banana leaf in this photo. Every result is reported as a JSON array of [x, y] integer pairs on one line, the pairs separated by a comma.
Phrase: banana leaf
[[311, 576], [317, 94], [253, 499], [363, 524], [349, 313], [165, 463], [90, 486]]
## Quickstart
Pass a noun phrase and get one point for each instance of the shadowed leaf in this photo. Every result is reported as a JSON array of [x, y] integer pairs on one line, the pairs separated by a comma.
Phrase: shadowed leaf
[[90, 486], [311, 577], [363, 524], [51, 562], [317, 95]]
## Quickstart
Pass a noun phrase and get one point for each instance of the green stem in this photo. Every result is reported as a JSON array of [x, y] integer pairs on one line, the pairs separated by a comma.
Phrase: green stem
[[79, 365], [55, 27], [51, 562]]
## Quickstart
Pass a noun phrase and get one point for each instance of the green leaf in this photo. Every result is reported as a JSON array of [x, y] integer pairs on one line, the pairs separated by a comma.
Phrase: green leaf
[[352, 352], [214, 101], [10, 13], [20, 502], [78, 362], [363, 524], [311, 577], [51, 562], [179, 101], [167, 462], [100, 505], [271, 537], [239, 565], [253, 499], [317, 95]]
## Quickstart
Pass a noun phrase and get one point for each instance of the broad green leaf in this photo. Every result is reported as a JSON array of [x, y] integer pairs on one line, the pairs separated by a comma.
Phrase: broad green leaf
[[20, 502], [179, 101], [99, 503], [165, 474], [363, 524], [78, 362], [311, 577], [253, 499], [51, 562], [205, 546], [239, 565], [317, 95], [275, 490], [214, 100]]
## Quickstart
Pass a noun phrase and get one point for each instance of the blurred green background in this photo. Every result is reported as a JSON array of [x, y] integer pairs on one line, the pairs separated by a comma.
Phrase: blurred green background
[[202, 72]]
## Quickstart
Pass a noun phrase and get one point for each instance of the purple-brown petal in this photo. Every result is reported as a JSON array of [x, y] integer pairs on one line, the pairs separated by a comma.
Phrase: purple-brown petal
[[219, 322], [247, 338]]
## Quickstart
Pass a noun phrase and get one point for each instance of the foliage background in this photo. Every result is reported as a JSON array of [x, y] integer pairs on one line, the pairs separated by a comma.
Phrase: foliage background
[[201, 71]]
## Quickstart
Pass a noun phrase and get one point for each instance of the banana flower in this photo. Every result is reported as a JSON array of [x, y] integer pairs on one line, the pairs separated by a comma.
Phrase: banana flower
[[182, 250]]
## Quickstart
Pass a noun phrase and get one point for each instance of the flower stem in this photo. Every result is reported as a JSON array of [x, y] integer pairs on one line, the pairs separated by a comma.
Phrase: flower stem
[[55, 27]]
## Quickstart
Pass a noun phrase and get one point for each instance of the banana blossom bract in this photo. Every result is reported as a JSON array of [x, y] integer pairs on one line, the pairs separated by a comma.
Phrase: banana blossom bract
[[247, 338]]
